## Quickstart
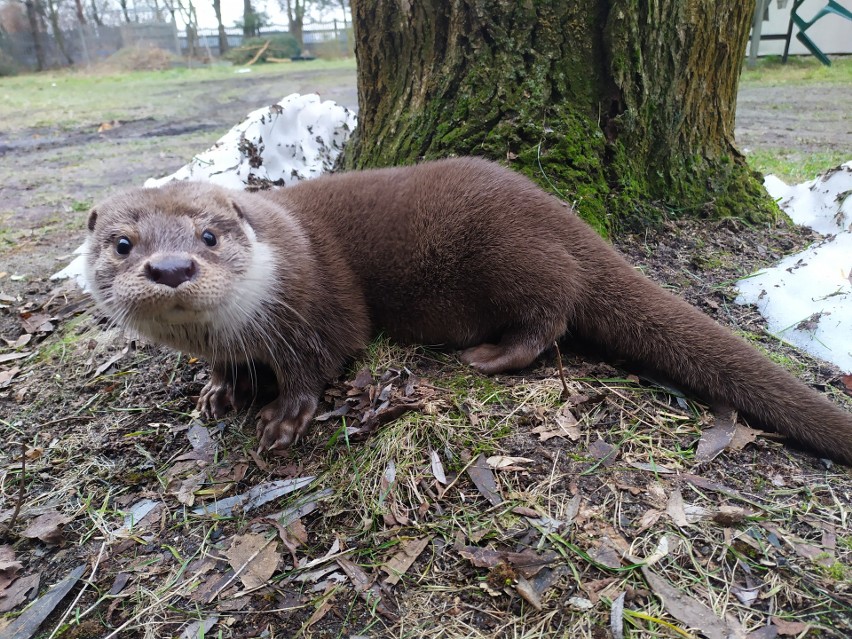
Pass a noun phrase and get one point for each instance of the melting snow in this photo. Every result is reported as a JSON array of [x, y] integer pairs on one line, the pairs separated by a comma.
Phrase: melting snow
[[807, 298], [297, 139]]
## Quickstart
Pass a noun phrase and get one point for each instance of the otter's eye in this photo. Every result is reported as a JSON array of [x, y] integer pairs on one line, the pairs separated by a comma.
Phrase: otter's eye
[[209, 238], [123, 246]]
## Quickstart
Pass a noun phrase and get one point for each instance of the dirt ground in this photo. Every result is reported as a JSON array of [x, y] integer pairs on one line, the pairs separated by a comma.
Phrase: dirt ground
[[801, 118], [754, 543]]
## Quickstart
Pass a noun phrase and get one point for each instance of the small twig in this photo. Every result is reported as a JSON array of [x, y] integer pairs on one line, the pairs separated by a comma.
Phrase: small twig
[[80, 594], [565, 392], [21, 491], [70, 418]]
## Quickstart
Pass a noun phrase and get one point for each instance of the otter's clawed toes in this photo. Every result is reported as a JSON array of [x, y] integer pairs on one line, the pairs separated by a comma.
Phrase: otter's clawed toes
[[215, 399], [281, 422]]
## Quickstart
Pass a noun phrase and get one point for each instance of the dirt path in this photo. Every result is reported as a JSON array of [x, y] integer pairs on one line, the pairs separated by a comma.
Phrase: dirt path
[[806, 118]]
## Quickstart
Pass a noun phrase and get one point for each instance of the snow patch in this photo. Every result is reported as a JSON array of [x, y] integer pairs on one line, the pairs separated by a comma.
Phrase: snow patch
[[296, 139], [807, 298]]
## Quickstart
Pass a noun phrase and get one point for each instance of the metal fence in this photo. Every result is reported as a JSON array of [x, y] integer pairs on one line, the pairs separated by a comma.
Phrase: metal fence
[[89, 43], [313, 34]]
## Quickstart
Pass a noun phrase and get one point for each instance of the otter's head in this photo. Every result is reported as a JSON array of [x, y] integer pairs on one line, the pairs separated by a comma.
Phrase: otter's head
[[178, 263]]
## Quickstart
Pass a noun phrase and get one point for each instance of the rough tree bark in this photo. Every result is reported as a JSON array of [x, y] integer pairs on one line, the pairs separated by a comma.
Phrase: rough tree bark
[[625, 108]]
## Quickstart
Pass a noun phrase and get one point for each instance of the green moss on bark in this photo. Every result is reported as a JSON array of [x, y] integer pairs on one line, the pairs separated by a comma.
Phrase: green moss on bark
[[624, 109]]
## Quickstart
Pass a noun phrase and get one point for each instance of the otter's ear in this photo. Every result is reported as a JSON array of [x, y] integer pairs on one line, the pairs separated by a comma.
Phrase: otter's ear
[[238, 210], [93, 217]]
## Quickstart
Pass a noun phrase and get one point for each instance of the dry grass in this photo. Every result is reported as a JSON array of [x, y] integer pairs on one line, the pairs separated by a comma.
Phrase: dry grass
[[756, 537]]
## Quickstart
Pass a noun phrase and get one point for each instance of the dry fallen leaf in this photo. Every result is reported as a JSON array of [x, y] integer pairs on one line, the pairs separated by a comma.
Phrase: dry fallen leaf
[[483, 478], [504, 462], [674, 509], [7, 376], [36, 323], [203, 446], [605, 554], [526, 590], [603, 451], [8, 357], [690, 611], [254, 557], [112, 360], [790, 628], [47, 527], [527, 563], [256, 496], [743, 437], [18, 592], [370, 592], [9, 567], [437, 467], [566, 426], [199, 628], [716, 438], [616, 617], [409, 551]]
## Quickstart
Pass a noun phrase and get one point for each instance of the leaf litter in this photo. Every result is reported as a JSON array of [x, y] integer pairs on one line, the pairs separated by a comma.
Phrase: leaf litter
[[425, 497]]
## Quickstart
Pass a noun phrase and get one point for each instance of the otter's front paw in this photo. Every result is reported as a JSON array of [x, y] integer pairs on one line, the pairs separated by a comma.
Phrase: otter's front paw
[[216, 398], [283, 421]]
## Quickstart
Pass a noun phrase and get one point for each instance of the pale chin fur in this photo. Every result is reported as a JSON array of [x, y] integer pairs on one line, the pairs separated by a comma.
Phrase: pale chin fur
[[251, 291]]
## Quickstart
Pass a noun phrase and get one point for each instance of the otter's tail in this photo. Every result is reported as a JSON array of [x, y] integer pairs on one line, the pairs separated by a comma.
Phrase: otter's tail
[[635, 319]]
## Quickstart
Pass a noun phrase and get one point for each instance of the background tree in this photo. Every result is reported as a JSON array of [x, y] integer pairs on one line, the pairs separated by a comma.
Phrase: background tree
[[96, 14], [296, 19], [33, 9], [625, 108], [53, 8], [223, 37], [251, 20]]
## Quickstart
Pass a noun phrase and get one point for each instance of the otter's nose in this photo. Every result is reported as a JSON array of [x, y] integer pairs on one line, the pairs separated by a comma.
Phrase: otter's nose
[[171, 270]]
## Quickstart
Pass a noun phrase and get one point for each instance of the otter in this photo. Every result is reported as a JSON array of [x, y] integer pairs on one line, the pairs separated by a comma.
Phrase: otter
[[459, 253]]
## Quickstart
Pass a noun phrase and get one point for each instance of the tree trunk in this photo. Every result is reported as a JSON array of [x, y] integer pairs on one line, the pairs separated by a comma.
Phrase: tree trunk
[[32, 19], [249, 20], [57, 31], [223, 37], [81, 15], [296, 20], [624, 108], [95, 15]]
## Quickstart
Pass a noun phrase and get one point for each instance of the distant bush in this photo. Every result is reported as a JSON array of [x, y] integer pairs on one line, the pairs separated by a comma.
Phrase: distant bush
[[280, 47]]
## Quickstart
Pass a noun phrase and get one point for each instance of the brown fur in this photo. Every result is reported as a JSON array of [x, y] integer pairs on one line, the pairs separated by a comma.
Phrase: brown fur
[[459, 253]]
